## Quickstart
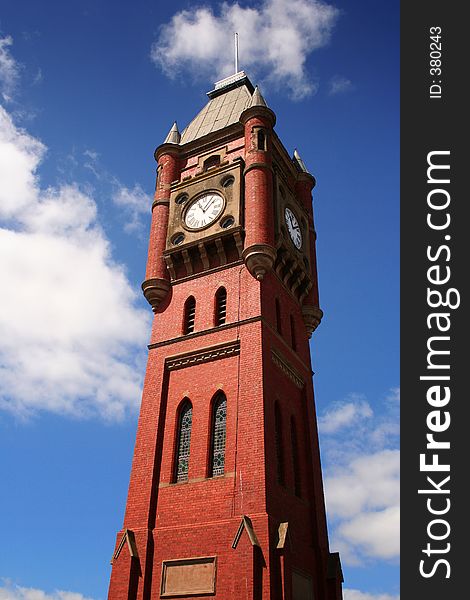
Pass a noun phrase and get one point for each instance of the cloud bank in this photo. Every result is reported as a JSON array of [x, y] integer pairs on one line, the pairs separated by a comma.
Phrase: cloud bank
[[9, 69], [71, 330], [135, 204], [276, 38], [351, 594], [16, 592], [11, 592], [362, 483]]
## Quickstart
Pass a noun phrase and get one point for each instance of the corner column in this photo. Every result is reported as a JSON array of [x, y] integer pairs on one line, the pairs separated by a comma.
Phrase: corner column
[[311, 311], [157, 280], [259, 253]]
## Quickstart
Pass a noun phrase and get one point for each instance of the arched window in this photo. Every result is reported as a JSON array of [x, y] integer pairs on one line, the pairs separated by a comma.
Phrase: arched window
[[185, 421], [292, 334], [189, 315], [295, 458], [278, 317], [261, 139], [278, 443], [218, 434], [221, 306]]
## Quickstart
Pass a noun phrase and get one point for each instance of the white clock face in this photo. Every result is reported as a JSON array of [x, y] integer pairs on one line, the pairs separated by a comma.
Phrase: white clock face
[[203, 211], [293, 228]]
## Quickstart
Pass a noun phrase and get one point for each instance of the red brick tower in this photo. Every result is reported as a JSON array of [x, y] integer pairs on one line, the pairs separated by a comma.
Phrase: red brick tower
[[225, 497]]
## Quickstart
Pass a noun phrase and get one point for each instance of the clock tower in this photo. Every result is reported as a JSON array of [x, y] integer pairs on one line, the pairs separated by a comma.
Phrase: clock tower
[[225, 498]]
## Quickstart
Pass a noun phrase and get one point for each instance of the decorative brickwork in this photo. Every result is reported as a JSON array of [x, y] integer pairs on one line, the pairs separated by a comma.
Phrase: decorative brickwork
[[205, 355]]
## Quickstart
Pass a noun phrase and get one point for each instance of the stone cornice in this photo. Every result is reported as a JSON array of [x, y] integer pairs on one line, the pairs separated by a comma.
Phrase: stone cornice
[[203, 355]]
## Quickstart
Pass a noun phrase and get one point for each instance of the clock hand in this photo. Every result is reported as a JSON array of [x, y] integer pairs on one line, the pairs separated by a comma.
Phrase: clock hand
[[210, 202]]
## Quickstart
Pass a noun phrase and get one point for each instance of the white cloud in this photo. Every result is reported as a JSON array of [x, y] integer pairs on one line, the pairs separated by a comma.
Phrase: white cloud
[[20, 155], [91, 154], [375, 533], [351, 594], [16, 592], [71, 332], [344, 414], [9, 69], [370, 481], [393, 396], [275, 40], [339, 85], [38, 77], [135, 203], [362, 478]]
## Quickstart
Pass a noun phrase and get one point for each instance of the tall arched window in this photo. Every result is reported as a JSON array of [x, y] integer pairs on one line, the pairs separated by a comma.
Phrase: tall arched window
[[218, 434], [278, 317], [185, 422], [292, 333], [189, 315], [295, 458], [278, 444], [221, 306]]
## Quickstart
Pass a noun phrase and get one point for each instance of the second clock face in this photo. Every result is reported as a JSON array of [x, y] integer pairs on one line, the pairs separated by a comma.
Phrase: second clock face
[[203, 211], [293, 228]]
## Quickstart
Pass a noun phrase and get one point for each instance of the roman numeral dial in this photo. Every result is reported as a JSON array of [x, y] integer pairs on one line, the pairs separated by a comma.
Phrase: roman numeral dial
[[203, 211], [293, 228]]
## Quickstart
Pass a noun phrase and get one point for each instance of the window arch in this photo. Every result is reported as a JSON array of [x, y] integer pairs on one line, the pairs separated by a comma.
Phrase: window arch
[[218, 435], [278, 444], [221, 306], [189, 315], [278, 316], [295, 457], [183, 442]]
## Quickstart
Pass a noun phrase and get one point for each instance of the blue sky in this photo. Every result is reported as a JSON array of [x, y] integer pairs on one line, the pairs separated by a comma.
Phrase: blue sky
[[88, 89]]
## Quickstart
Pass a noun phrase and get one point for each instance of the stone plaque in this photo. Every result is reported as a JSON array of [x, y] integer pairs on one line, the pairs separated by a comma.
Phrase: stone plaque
[[188, 576]]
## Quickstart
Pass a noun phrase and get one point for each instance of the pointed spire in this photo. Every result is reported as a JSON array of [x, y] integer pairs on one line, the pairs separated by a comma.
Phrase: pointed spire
[[174, 136], [257, 106], [299, 162], [257, 99]]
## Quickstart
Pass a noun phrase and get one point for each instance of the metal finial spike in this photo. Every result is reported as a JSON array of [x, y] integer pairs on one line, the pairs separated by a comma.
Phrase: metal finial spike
[[236, 52]]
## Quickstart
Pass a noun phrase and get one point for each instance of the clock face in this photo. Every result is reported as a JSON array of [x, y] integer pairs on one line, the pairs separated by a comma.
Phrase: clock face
[[204, 211], [293, 228]]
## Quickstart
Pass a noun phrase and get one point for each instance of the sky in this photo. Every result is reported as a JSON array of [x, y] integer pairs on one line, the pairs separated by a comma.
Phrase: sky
[[88, 89]]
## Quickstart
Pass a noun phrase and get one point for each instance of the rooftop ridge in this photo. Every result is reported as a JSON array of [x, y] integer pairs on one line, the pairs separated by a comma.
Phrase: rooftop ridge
[[230, 82]]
